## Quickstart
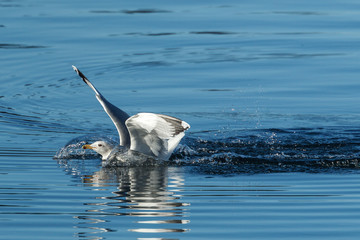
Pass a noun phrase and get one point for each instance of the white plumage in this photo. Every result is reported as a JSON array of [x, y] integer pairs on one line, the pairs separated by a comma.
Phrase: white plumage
[[155, 135]]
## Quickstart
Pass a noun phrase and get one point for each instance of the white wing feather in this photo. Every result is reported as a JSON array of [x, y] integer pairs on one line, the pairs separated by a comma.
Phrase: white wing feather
[[155, 134], [117, 115]]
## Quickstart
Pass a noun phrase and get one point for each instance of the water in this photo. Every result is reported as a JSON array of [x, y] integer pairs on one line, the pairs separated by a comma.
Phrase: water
[[270, 90]]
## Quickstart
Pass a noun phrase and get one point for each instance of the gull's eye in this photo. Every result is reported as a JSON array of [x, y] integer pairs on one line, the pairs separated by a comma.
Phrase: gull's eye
[[100, 145]]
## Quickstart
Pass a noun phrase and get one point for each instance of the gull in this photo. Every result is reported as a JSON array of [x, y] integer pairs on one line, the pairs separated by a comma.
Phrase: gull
[[145, 134]]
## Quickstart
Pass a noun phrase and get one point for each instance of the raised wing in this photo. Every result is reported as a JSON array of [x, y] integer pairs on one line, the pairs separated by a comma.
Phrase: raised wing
[[117, 115], [155, 134]]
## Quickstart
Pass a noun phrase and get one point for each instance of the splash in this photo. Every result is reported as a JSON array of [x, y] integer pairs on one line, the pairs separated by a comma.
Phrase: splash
[[277, 150], [73, 149], [255, 151]]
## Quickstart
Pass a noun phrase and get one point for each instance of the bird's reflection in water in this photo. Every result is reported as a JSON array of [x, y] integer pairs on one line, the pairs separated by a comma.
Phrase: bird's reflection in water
[[148, 197]]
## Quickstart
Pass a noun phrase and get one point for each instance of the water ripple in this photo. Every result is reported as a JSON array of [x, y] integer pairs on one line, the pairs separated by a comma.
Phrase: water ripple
[[35, 122], [136, 11], [18, 46]]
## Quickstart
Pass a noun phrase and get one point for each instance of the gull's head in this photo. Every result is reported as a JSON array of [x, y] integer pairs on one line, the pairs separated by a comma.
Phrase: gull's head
[[101, 147]]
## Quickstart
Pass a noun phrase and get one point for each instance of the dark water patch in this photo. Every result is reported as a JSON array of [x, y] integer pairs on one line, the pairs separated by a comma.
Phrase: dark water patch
[[18, 46], [106, 11], [213, 33], [160, 34], [136, 11], [1, 25], [146, 11], [304, 13], [217, 90], [297, 33], [150, 34]]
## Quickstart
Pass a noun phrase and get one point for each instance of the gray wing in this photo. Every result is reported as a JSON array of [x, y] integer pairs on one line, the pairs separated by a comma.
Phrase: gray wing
[[155, 134], [117, 115]]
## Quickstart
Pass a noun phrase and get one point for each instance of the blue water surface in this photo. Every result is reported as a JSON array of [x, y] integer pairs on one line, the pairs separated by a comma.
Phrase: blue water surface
[[270, 89]]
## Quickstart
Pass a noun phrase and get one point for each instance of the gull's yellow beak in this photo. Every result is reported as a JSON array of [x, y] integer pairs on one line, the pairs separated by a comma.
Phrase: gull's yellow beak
[[87, 146]]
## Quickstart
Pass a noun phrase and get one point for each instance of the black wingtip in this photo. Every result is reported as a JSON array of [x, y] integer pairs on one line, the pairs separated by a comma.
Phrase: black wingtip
[[80, 74]]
